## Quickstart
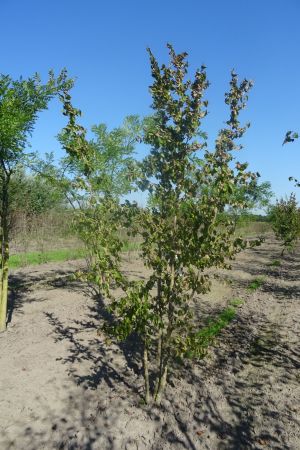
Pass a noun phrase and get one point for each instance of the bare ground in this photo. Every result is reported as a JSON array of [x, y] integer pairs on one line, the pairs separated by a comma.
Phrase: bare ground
[[65, 387]]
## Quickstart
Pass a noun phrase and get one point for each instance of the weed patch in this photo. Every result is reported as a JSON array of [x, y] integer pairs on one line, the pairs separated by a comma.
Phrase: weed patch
[[206, 336], [236, 302], [256, 283], [275, 263]]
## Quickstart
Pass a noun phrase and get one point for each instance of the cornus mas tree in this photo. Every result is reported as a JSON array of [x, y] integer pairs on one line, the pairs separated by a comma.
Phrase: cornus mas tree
[[183, 232], [20, 102]]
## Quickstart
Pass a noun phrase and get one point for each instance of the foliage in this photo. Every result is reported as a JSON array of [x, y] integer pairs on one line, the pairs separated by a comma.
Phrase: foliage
[[33, 194], [285, 218], [255, 195], [95, 174], [296, 181], [20, 102], [290, 137], [182, 234], [275, 263]]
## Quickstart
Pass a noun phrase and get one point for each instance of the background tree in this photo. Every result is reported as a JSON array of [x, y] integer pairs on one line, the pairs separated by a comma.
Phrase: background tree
[[255, 195], [20, 102], [33, 194], [94, 176], [180, 230], [285, 218], [35, 205]]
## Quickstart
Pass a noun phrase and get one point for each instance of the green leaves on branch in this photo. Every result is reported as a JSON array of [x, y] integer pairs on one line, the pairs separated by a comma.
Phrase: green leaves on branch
[[97, 226], [20, 102], [73, 136], [182, 230], [290, 137], [96, 173], [183, 233]]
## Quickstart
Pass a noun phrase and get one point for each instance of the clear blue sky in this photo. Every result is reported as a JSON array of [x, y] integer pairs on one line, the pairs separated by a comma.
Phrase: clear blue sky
[[103, 44]]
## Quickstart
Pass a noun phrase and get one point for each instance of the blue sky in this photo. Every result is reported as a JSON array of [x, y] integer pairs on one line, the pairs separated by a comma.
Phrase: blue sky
[[103, 44]]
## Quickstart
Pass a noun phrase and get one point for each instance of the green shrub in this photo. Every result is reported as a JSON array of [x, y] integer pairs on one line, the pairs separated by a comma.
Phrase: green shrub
[[285, 218]]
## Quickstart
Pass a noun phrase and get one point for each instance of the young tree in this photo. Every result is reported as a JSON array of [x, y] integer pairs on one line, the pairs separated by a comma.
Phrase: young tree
[[20, 102], [182, 236], [285, 218], [180, 230]]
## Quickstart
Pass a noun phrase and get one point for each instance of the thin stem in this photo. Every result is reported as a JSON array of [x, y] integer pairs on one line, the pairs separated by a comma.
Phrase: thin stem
[[146, 373], [4, 251]]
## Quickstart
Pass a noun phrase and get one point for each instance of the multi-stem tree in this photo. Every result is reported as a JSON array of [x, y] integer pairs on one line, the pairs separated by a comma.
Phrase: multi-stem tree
[[20, 102], [285, 218], [182, 232]]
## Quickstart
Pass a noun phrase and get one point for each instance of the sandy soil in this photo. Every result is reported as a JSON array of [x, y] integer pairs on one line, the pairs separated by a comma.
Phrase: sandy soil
[[63, 387]]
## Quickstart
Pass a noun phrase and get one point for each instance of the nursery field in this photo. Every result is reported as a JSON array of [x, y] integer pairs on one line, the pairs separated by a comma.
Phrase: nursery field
[[149, 241], [64, 385]]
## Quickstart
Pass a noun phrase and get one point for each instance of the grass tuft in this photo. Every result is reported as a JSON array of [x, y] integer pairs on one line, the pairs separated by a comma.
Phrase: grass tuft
[[131, 246], [215, 326], [275, 263], [256, 283], [206, 336], [236, 302]]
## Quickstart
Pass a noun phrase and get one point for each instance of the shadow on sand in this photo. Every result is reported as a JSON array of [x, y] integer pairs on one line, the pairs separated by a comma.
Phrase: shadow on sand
[[212, 404]]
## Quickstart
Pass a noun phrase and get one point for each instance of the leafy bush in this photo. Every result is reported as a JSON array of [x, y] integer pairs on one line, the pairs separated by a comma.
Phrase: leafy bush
[[285, 218]]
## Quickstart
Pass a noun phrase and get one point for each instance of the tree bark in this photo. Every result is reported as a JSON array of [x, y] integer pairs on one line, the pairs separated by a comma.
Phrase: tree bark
[[164, 340], [146, 373], [4, 236], [161, 383]]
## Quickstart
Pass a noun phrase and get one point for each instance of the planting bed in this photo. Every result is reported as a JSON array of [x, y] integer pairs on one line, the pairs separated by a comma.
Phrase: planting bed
[[65, 386]]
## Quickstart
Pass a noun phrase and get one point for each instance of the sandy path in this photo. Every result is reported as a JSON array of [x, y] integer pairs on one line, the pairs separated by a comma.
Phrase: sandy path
[[63, 387]]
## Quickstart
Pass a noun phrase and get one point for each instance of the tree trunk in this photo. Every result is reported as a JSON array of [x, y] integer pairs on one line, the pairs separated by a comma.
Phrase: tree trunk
[[159, 341], [160, 354], [146, 373], [162, 381], [164, 344], [4, 254], [164, 339], [159, 360], [3, 298]]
